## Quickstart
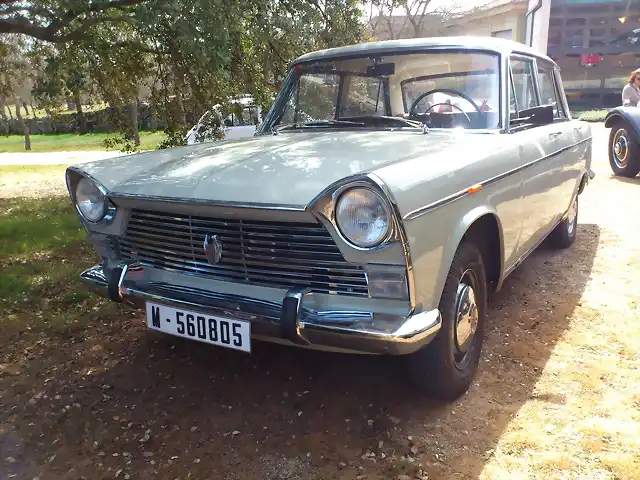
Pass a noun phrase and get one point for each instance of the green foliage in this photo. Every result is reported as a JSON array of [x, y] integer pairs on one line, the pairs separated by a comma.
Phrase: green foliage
[[593, 115], [183, 56]]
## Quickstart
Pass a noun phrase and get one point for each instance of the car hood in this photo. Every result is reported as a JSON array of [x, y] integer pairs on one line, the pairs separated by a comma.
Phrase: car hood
[[288, 169]]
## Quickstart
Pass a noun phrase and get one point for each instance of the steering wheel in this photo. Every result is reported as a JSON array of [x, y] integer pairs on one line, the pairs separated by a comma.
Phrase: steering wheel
[[448, 91]]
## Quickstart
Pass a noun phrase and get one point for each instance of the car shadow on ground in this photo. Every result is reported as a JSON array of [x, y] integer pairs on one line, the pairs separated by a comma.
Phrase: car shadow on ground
[[633, 181], [177, 406]]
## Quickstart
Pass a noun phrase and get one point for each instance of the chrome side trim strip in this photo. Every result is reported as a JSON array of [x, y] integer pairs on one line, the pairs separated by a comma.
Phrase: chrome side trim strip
[[463, 193]]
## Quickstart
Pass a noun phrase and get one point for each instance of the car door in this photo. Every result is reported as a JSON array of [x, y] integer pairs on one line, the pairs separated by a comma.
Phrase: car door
[[562, 144], [542, 164]]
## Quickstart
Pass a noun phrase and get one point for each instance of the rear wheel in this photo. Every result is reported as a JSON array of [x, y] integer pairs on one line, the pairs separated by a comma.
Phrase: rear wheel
[[624, 151], [445, 367]]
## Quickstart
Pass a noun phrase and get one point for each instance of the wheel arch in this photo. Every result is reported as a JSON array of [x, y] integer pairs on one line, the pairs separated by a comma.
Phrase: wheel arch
[[583, 183], [482, 225], [629, 115]]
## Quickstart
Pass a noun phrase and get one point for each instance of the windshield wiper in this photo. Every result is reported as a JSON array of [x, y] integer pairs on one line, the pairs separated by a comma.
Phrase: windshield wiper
[[386, 120], [320, 123]]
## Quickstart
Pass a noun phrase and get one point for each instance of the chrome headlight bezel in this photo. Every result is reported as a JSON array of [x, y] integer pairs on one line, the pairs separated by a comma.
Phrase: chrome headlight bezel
[[75, 179], [342, 196]]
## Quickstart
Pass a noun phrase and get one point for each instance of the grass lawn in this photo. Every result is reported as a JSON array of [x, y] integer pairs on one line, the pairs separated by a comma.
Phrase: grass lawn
[[43, 248], [593, 115], [66, 142]]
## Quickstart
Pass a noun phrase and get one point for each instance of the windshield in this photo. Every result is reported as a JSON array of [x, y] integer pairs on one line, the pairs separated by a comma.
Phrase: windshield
[[439, 89]]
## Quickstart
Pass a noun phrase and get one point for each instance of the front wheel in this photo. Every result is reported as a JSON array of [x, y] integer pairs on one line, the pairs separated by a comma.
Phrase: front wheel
[[624, 151], [445, 368]]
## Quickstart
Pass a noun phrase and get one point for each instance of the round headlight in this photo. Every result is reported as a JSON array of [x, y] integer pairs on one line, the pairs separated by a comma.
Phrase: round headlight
[[90, 200], [363, 217]]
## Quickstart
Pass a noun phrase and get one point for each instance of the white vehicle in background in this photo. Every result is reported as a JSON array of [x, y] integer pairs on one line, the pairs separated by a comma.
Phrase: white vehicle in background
[[240, 122]]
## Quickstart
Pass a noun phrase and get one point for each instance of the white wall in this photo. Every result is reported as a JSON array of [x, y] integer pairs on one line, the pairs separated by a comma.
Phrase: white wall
[[540, 27]]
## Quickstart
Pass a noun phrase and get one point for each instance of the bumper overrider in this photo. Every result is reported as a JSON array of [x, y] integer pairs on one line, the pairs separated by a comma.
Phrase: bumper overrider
[[288, 322]]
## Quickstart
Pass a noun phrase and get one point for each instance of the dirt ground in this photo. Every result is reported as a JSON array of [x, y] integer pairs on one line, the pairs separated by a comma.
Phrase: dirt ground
[[557, 395]]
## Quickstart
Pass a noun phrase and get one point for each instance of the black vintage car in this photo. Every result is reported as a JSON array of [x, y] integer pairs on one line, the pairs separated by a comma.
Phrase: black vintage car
[[624, 140]]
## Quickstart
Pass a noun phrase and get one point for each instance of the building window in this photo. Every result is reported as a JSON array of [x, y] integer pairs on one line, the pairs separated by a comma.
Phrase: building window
[[598, 21], [576, 22], [508, 34], [597, 32]]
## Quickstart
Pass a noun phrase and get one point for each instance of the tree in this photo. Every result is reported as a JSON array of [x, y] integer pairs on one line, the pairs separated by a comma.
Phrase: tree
[[63, 74], [392, 19], [190, 54], [62, 21], [13, 71]]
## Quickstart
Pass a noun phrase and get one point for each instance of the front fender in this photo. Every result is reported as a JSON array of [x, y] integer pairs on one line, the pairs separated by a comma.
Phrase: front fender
[[631, 115], [434, 238], [460, 230]]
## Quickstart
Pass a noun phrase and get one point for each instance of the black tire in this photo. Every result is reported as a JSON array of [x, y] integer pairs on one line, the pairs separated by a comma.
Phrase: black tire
[[624, 150], [438, 368], [564, 234]]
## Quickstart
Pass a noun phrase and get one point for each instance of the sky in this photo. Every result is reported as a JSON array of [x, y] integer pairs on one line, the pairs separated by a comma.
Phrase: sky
[[436, 4]]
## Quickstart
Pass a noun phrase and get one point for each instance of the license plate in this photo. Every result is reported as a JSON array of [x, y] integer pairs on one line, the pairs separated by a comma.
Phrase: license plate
[[200, 326]]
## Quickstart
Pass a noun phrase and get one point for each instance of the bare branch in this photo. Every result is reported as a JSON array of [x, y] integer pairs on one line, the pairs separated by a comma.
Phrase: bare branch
[[54, 31]]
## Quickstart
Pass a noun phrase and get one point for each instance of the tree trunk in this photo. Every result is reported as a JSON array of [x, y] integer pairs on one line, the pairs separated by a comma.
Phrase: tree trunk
[[82, 120], [134, 121], [24, 126], [33, 110], [179, 86], [24, 105], [2, 114], [9, 110]]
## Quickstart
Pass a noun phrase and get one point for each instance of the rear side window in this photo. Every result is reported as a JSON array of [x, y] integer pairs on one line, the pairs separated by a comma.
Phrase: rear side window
[[523, 84], [548, 89]]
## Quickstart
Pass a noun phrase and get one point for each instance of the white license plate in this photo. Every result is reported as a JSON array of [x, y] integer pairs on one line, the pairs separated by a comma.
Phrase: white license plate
[[200, 326]]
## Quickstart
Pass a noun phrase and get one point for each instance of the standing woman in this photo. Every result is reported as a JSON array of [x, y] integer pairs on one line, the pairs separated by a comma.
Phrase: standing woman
[[631, 91]]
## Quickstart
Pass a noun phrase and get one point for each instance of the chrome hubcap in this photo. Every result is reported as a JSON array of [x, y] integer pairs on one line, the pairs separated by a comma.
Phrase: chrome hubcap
[[466, 315], [571, 216], [620, 148]]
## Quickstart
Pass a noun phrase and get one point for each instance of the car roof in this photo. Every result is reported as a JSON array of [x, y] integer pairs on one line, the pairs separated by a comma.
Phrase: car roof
[[498, 45]]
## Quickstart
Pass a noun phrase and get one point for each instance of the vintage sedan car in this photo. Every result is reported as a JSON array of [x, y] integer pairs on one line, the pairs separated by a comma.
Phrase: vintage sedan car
[[362, 217], [624, 140]]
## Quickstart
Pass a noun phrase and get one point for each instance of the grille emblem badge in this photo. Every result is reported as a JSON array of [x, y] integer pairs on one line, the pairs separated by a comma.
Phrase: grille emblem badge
[[212, 248]]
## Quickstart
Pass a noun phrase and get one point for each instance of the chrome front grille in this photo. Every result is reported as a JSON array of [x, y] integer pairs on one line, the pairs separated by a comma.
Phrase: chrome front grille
[[272, 254]]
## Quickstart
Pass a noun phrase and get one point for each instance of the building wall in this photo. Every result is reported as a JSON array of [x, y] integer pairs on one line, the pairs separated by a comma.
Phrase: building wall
[[492, 22], [596, 43]]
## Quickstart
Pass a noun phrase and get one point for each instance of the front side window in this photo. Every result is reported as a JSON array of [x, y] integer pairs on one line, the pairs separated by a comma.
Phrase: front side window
[[523, 83], [548, 92], [442, 89]]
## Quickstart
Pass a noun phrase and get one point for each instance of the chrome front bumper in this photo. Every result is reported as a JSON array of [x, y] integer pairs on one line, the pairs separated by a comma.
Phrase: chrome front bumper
[[286, 323]]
